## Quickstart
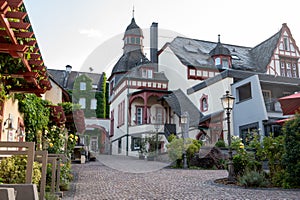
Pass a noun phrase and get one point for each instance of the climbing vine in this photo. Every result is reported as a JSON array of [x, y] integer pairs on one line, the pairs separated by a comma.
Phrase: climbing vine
[[36, 115]]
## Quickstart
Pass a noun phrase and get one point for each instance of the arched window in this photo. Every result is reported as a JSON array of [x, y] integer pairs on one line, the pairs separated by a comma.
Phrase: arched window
[[204, 103]]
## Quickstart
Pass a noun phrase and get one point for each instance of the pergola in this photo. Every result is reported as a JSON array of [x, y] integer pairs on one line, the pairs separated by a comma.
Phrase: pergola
[[22, 66]]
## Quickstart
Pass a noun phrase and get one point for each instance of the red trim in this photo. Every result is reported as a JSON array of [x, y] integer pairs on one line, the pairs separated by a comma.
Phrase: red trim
[[202, 108]]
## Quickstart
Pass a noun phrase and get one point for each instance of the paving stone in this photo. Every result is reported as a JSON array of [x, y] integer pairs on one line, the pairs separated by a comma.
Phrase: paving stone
[[149, 180]]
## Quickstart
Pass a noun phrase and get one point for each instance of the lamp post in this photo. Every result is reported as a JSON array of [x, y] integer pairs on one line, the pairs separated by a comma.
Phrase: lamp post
[[185, 127], [227, 102]]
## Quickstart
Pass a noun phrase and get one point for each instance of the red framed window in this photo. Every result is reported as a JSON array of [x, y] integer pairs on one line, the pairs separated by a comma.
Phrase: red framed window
[[204, 103]]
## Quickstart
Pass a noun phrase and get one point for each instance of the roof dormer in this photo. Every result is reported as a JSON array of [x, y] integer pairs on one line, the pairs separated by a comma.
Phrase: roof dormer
[[221, 56]]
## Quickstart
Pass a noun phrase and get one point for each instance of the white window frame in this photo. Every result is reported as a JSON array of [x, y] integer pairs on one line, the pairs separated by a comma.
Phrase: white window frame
[[82, 102], [93, 104], [82, 85]]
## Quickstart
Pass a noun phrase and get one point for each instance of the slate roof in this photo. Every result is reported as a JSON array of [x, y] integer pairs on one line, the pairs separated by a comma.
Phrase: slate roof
[[133, 29], [180, 103], [130, 60], [193, 52], [59, 77]]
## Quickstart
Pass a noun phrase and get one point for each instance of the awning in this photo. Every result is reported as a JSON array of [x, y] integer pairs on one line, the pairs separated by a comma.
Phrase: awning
[[290, 104]]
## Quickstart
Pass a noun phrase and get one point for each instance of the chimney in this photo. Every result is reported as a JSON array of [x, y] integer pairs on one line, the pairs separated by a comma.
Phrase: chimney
[[153, 43], [66, 75]]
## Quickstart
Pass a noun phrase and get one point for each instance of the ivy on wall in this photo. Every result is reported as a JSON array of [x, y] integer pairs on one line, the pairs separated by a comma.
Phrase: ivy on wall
[[36, 115], [89, 93]]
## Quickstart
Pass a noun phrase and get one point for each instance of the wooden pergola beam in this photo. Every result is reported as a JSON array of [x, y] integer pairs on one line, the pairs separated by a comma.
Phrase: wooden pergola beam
[[16, 15], [12, 47], [8, 30]]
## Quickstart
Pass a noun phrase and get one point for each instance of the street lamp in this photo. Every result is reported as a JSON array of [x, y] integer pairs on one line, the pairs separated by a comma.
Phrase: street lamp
[[185, 128], [227, 102]]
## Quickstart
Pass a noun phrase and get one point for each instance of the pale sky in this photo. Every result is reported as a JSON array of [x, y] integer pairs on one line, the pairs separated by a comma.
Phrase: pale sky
[[70, 31]]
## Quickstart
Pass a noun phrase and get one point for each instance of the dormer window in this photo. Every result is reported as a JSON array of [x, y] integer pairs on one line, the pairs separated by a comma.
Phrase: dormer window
[[221, 55], [225, 63], [218, 61], [147, 73]]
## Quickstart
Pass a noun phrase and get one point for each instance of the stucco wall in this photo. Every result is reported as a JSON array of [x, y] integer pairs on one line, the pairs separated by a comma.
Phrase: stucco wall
[[252, 110], [10, 108]]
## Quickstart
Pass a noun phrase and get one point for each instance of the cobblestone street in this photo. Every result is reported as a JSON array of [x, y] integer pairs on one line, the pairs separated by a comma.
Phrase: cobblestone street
[[94, 180]]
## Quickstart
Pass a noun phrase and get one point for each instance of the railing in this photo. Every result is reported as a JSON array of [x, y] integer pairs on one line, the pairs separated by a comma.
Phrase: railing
[[273, 105]]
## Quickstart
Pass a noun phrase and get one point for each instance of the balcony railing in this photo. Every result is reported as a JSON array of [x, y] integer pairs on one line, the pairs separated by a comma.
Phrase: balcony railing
[[273, 105]]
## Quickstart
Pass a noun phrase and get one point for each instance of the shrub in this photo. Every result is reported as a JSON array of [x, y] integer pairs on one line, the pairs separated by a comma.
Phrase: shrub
[[13, 170], [291, 157], [253, 179], [220, 143]]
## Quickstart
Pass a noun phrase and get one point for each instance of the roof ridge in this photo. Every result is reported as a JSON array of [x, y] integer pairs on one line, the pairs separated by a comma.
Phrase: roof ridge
[[268, 38], [233, 45]]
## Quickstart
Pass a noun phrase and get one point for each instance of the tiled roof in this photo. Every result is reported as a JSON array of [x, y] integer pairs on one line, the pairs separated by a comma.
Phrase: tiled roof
[[192, 52], [180, 103]]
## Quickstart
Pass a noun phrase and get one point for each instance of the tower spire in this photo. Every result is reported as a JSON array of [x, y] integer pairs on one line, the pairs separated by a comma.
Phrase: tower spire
[[133, 11]]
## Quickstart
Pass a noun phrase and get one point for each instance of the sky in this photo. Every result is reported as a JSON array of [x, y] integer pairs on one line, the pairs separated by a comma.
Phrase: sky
[[89, 33]]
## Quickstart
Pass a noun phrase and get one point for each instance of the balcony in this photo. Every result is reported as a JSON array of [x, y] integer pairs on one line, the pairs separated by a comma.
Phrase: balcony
[[273, 105]]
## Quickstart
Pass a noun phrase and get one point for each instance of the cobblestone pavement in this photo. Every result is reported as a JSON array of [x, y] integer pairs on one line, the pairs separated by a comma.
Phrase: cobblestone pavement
[[94, 181]]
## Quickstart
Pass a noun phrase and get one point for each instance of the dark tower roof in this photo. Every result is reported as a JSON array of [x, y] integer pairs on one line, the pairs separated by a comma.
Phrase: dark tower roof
[[133, 29], [219, 49], [133, 52]]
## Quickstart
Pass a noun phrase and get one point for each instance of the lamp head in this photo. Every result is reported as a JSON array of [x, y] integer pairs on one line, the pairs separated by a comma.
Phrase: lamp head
[[227, 101]]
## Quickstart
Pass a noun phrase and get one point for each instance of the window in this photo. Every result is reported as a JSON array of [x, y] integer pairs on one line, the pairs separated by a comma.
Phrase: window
[[244, 92], [82, 85], [132, 40], [112, 123], [192, 72], [203, 103], [147, 73], [159, 115], [121, 113], [139, 115], [137, 40], [286, 44], [247, 132], [218, 61], [111, 87], [93, 104], [135, 144], [94, 86], [150, 73], [225, 63], [289, 67], [120, 146], [82, 103]]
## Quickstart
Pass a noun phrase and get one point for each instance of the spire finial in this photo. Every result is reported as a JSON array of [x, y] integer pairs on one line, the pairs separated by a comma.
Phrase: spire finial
[[133, 11], [219, 36]]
